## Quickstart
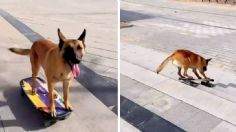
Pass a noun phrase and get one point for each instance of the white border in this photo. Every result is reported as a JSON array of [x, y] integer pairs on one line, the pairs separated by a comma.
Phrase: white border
[[118, 73]]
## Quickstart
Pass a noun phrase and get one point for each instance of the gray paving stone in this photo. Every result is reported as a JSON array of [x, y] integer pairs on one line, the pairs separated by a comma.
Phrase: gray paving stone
[[126, 127], [201, 122], [111, 73], [101, 61], [126, 82], [8, 120], [102, 53], [143, 119], [161, 104], [148, 97], [224, 127], [180, 113], [157, 124], [134, 91], [97, 68]]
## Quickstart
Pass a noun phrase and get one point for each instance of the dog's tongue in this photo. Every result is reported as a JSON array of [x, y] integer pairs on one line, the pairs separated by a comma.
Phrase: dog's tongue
[[75, 70]]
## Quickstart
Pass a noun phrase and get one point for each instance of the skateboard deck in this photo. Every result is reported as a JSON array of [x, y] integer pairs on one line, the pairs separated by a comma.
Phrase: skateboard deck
[[41, 102], [193, 83]]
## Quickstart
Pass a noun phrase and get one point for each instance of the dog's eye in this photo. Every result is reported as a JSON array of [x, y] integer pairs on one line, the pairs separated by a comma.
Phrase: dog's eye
[[78, 47]]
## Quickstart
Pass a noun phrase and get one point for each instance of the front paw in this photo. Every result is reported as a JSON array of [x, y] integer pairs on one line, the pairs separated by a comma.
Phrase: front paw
[[68, 106], [33, 91], [53, 112]]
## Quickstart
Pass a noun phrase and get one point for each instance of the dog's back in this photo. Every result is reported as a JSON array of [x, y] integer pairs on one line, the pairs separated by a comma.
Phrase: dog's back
[[184, 58], [41, 49]]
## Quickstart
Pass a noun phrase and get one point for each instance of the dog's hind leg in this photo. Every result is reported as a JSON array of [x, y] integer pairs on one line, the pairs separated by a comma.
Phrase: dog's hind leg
[[179, 72], [35, 70], [185, 72]]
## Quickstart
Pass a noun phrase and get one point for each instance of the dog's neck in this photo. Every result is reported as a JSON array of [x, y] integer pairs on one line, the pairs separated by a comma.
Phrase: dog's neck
[[63, 61]]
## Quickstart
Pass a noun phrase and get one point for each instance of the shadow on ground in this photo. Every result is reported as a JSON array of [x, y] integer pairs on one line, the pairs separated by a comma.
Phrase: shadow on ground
[[26, 116], [226, 85], [133, 16], [105, 89]]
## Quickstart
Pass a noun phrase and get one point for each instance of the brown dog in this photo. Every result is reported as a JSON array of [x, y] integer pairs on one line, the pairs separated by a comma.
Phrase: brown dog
[[186, 59], [60, 63]]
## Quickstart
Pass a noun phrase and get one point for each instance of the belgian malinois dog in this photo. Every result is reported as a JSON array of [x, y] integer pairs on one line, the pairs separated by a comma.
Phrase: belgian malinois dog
[[59, 61], [186, 59]]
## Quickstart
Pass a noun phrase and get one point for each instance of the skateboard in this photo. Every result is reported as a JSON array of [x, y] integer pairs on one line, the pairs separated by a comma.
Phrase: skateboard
[[197, 82], [41, 102]]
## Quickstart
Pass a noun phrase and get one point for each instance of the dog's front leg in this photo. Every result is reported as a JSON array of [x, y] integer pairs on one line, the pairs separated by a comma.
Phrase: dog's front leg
[[204, 76], [51, 99], [66, 85]]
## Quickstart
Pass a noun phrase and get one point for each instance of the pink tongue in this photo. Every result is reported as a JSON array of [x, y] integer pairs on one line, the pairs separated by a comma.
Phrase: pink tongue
[[75, 70]]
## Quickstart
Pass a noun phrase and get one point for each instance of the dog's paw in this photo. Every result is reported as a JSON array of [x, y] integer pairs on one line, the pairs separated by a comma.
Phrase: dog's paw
[[53, 112], [68, 107], [199, 77], [33, 91]]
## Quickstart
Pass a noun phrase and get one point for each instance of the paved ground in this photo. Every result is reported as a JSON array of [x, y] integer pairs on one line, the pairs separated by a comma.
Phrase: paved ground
[[21, 23], [158, 29]]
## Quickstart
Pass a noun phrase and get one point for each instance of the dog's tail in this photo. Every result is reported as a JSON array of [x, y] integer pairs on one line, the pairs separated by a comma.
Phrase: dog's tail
[[163, 64], [20, 51]]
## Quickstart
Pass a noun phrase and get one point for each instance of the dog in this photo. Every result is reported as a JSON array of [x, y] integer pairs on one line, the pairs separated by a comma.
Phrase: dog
[[186, 59], [59, 61]]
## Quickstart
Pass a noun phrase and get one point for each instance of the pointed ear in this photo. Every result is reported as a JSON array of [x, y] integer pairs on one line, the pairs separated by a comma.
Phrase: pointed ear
[[61, 38], [207, 60], [82, 36]]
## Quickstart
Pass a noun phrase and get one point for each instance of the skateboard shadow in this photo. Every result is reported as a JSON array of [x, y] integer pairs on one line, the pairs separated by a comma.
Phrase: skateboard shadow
[[26, 116], [226, 85]]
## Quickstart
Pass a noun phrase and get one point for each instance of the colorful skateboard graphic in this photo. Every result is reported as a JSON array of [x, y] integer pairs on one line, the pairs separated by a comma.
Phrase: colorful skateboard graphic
[[40, 100]]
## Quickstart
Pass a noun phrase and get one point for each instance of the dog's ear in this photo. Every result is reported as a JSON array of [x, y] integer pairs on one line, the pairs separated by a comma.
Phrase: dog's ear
[[61, 38], [207, 60], [82, 36]]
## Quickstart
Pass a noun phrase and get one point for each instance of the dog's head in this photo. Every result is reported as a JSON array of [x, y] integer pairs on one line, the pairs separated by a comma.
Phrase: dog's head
[[72, 50], [206, 64]]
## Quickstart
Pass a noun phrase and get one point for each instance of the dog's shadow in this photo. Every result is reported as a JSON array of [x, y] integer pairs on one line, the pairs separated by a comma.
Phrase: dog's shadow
[[26, 116], [226, 85]]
